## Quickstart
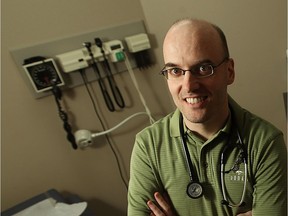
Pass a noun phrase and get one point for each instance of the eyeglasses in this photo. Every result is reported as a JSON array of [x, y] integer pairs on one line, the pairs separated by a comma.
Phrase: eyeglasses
[[199, 71]]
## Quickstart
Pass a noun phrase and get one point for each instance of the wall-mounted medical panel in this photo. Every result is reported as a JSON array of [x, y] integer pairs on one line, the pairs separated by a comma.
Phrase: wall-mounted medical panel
[[66, 50]]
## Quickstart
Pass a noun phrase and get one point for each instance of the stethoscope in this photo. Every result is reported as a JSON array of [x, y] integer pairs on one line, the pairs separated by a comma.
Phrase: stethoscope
[[195, 188]]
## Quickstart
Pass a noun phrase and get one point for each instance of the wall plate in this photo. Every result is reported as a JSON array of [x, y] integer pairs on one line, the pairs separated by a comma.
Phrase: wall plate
[[53, 48]]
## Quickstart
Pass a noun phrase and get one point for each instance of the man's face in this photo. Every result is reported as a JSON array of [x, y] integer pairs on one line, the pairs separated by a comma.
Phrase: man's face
[[201, 100]]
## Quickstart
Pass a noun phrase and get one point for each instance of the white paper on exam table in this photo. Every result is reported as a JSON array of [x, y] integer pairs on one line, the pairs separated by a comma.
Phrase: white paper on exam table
[[50, 207]]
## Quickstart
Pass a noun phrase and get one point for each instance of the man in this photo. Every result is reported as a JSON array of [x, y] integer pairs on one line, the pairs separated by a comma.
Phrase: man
[[210, 156]]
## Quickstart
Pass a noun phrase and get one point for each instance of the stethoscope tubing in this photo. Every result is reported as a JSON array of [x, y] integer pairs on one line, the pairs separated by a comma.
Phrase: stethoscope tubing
[[222, 165], [222, 171], [185, 148], [194, 188]]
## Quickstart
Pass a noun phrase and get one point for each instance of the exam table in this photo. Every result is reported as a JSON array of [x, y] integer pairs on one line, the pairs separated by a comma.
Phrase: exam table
[[51, 194]]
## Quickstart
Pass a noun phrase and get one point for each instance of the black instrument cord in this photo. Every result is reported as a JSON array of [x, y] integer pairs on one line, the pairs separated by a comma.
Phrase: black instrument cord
[[83, 75], [104, 91], [114, 88], [63, 115], [185, 149]]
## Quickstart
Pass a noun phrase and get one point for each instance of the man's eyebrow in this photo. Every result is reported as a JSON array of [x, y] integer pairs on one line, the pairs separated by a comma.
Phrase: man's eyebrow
[[169, 64], [200, 62]]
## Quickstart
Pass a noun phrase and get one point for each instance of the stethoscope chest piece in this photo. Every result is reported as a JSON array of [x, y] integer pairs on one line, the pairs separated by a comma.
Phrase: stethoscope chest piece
[[194, 190]]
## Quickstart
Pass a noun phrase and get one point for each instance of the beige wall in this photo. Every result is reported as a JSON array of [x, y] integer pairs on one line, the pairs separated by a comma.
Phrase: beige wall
[[35, 155]]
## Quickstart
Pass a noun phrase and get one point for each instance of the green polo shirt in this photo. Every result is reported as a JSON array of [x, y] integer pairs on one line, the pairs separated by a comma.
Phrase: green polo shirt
[[158, 164]]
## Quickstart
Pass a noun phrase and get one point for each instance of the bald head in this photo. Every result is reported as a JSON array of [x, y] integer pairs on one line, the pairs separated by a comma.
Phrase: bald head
[[199, 32]]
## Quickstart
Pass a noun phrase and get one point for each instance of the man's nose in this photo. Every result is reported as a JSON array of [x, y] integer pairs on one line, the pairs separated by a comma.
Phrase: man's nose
[[190, 82]]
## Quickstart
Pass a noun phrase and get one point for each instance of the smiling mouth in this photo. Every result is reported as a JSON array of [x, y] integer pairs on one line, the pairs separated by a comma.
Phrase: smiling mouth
[[195, 100]]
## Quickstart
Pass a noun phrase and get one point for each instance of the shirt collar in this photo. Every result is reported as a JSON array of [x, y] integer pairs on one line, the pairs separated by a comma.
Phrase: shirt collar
[[174, 124], [175, 131]]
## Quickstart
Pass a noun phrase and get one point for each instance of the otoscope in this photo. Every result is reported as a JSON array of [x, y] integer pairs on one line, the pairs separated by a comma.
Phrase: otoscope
[[104, 91], [114, 88]]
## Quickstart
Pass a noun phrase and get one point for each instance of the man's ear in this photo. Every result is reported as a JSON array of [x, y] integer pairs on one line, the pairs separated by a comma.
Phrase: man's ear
[[230, 71]]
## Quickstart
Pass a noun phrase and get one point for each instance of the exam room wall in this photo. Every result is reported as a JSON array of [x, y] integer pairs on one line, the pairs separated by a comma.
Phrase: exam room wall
[[35, 155], [257, 37]]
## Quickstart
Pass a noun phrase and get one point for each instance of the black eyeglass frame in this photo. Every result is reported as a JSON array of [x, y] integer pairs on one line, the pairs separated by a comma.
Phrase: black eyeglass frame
[[164, 71]]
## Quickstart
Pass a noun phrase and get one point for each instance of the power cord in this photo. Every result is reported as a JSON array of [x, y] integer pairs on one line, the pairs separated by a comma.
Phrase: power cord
[[63, 116], [83, 75], [134, 80]]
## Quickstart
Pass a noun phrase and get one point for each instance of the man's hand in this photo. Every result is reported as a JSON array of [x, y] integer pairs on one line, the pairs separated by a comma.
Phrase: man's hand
[[245, 214], [166, 207]]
